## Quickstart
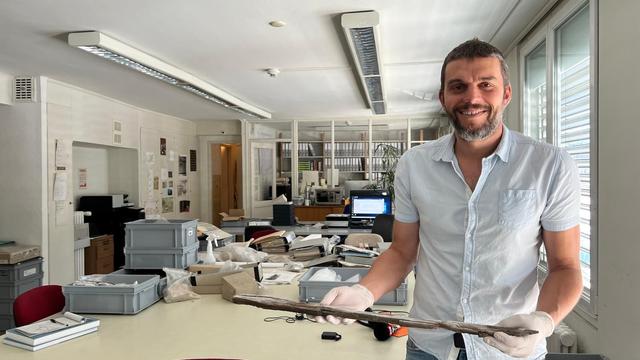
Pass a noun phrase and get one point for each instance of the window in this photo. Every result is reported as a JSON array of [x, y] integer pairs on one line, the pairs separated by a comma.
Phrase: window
[[558, 67]]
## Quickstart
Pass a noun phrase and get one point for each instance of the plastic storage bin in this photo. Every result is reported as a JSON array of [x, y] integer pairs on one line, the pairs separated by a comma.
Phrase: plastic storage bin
[[160, 234], [162, 284], [158, 258], [113, 299], [22, 271], [6, 322], [15, 279], [314, 291], [18, 278]]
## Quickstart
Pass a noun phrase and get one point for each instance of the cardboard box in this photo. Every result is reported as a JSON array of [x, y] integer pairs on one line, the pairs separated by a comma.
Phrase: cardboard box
[[233, 215], [240, 283], [211, 283], [13, 254], [253, 269]]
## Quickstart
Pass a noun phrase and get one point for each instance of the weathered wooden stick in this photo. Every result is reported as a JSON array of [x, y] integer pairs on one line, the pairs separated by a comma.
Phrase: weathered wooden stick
[[273, 303]]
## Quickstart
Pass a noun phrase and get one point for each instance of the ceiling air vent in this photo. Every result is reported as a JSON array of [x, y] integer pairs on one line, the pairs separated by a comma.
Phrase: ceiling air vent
[[24, 89], [117, 132]]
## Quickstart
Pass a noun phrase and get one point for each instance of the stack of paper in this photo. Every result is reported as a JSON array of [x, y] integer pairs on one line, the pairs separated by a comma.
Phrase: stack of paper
[[49, 332], [310, 247], [357, 255]]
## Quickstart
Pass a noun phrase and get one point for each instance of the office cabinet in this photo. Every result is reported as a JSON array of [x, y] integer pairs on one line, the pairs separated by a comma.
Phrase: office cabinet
[[317, 212], [98, 258]]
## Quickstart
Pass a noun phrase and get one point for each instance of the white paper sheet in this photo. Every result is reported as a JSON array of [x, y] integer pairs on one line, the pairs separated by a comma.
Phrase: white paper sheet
[[60, 186]]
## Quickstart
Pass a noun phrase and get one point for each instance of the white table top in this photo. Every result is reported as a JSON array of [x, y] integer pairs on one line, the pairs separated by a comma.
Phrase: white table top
[[215, 328]]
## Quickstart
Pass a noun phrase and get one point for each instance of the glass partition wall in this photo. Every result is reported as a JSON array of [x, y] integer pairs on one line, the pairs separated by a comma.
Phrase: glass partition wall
[[349, 154], [270, 172]]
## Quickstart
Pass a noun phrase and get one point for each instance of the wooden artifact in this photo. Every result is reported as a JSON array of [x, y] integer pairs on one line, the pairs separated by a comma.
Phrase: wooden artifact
[[273, 303]]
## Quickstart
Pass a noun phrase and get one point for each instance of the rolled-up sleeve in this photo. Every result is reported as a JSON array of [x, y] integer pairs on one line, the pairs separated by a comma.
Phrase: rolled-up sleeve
[[405, 211], [562, 210]]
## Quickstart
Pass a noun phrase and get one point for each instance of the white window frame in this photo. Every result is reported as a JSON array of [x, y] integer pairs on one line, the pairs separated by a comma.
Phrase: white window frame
[[587, 305]]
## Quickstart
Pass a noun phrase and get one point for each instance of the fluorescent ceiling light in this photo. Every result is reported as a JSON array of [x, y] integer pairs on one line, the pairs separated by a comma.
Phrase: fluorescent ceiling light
[[361, 30], [108, 48]]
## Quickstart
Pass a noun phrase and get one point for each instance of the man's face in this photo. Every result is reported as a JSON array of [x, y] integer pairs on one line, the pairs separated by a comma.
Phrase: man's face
[[474, 96]]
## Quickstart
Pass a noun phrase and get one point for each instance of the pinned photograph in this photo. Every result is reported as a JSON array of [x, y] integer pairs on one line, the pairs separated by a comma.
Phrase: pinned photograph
[[163, 146], [182, 165], [181, 188], [167, 204]]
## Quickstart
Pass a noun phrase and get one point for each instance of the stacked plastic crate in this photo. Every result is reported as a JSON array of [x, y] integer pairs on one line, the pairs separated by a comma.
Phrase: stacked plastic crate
[[15, 279], [155, 244]]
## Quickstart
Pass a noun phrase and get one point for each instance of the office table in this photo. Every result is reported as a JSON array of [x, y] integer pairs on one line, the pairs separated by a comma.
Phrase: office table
[[212, 327]]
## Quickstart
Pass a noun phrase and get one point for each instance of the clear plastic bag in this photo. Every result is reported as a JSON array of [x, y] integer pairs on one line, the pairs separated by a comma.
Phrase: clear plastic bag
[[178, 286], [239, 252]]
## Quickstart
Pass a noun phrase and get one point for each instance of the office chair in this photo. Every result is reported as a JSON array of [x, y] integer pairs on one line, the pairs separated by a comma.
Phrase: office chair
[[252, 231], [383, 226], [37, 304]]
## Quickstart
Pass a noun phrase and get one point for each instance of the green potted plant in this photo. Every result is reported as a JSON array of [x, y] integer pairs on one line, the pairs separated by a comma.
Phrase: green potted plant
[[390, 156]]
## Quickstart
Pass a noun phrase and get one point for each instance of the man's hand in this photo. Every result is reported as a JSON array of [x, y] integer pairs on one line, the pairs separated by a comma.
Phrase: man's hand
[[522, 346], [353, 298]]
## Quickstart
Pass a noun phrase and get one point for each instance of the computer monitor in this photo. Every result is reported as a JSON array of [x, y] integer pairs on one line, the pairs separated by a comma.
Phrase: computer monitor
[[366, 204]]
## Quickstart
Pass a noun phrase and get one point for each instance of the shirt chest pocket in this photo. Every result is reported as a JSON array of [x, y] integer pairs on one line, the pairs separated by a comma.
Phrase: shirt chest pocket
[[517, 208]]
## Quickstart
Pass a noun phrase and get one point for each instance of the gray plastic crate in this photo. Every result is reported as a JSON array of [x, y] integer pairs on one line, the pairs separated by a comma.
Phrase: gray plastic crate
[[24, 270], [160, 234], [6, 322], [136, 259], [314, 291], [163, 277], [12, 290], [113, 299], [6, 306]]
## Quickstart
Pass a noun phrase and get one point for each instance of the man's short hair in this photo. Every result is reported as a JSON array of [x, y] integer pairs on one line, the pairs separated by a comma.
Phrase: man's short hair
[[475, 48]]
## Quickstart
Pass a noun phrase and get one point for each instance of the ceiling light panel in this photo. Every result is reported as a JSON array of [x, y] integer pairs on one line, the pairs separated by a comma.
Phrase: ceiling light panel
[[108, 48], [361, 31], [365, 44]]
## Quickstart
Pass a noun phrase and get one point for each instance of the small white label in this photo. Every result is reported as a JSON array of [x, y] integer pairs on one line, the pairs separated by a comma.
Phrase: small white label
[[29, 272]]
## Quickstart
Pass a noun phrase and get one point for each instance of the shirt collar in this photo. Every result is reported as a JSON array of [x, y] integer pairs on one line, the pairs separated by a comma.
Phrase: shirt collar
[[445, 152]]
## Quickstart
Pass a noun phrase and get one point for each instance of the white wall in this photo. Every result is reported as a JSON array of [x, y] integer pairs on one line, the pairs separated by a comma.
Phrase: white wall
[[512, 112], [614, 331], [77, 115], [6, 86], [218, 127], [96, 161], [123, 173], [23, 173]]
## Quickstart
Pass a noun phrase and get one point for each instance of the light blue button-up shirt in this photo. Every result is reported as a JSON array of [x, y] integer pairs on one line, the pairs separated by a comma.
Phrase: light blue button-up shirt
[[479, 249]]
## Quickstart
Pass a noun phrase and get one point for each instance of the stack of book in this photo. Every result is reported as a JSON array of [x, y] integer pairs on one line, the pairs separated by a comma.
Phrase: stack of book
[[48, 332], [274, 243], [308, 248]]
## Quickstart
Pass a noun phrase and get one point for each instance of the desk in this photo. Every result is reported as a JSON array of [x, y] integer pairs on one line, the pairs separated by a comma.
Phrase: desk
[[317, 212], [213, 327]]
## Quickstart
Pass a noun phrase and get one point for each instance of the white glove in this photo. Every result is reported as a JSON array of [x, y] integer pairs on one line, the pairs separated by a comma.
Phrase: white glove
[[522, 346], [353, 298]]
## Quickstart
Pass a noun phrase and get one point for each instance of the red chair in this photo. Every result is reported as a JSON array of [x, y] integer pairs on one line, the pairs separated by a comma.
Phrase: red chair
[[261, 233], [37, 304], [255, 231]]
